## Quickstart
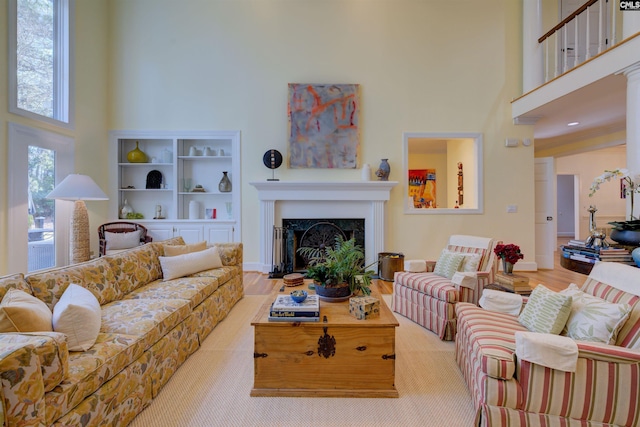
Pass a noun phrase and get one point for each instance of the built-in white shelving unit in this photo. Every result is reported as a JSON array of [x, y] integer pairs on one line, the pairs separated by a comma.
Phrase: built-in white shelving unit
[[185, 160]]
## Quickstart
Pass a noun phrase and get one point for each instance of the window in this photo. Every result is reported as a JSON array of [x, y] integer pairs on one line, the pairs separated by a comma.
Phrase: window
[[443, 173], [40, 58]]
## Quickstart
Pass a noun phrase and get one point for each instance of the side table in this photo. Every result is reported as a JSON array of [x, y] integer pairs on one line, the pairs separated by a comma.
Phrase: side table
[[514, 283]]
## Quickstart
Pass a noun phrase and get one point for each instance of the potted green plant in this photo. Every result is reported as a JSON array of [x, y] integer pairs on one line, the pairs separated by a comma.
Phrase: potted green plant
[[338, 271]]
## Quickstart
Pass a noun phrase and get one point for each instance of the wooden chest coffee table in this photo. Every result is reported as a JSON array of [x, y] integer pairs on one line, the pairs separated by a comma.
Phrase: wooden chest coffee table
[[339, 356]]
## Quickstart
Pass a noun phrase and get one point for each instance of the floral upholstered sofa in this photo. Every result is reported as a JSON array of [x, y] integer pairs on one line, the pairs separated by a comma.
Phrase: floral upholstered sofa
[[517, 377], [147, 328]]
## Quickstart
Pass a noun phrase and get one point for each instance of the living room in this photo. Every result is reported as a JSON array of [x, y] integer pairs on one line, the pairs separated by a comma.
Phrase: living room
[[422, 66]]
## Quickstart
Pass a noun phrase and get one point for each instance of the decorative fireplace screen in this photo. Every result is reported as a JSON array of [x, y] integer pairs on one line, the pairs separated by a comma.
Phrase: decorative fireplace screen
[[318, 233]]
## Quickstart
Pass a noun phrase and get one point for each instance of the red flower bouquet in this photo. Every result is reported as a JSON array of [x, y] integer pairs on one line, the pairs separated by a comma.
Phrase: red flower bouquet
[[509, 253]]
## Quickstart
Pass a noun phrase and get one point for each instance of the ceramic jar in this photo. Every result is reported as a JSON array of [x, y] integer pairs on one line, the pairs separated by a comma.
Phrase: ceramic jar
[[136, 155], [224, 186]]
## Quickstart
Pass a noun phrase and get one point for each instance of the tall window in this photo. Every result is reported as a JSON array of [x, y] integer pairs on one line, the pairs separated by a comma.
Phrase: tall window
[[40, 48]]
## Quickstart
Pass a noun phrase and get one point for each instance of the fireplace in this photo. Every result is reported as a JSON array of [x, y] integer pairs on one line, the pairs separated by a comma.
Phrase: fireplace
[[318, 233], [364, 200]]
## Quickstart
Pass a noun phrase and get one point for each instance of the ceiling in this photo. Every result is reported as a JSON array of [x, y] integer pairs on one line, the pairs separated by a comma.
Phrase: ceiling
[[599, 108]]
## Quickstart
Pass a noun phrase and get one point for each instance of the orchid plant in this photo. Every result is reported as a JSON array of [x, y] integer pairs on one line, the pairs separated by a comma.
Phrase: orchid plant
[[631, 184]]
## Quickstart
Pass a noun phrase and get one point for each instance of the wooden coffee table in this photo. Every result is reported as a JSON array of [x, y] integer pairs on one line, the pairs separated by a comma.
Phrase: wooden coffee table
[[339, 356]]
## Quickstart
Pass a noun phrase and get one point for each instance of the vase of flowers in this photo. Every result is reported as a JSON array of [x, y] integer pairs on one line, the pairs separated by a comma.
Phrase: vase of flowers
[[509, 254], [623, 232]]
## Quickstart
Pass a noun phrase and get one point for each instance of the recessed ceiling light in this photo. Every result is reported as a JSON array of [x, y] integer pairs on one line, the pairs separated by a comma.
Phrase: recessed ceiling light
[[573, 124]]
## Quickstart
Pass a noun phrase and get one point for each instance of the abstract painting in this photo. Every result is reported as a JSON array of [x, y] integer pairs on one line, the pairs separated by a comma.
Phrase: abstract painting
[[323, 126], [422, 187]]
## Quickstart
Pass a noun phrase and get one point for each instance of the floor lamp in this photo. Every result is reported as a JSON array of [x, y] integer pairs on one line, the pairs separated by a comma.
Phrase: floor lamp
[[78, 188]]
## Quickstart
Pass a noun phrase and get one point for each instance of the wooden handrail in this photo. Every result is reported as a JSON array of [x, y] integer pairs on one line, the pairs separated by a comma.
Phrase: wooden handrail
[[566, 20]]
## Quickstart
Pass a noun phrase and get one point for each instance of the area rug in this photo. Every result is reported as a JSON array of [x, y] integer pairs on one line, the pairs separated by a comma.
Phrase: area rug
[[212, 387]]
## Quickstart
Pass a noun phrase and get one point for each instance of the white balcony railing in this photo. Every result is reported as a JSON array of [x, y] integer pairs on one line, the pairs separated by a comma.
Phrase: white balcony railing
[[593, 28]]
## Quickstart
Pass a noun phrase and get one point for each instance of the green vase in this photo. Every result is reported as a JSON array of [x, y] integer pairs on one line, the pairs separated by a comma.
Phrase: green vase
[[136, 155]]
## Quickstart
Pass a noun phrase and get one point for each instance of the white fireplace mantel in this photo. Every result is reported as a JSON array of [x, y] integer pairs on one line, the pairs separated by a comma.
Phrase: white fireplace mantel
[[322, 199]]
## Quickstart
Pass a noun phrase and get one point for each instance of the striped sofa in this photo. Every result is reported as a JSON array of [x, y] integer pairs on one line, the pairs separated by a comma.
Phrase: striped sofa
[[603, 391], [429, 299]]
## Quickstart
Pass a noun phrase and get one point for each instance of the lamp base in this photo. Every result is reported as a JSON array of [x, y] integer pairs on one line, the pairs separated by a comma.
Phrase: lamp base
[[79, 239]]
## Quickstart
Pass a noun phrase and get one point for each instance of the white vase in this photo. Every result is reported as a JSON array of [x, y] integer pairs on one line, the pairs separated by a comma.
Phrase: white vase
[[194, 210], [366, 172]]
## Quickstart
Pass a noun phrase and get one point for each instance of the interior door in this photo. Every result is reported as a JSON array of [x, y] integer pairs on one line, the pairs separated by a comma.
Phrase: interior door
[[545, 211]]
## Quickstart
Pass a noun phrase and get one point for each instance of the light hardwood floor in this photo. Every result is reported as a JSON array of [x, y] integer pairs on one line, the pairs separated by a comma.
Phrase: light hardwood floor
[[556, 279]]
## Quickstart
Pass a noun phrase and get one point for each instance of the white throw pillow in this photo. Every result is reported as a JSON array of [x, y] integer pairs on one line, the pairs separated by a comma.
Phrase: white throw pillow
[[470, 263], [78, 315], [183, 265], [21, 312], [592, 318], [122, 240]]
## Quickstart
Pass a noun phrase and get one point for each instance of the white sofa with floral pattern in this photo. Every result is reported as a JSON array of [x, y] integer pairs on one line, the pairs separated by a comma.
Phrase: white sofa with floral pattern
[[149, 327]]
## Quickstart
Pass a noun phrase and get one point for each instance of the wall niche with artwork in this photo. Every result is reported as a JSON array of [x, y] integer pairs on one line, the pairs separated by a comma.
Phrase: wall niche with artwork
[[443, 173]]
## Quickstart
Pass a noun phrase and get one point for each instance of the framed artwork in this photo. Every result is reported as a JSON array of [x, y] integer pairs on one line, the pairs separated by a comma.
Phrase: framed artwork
[[422, 188], [323, 126]]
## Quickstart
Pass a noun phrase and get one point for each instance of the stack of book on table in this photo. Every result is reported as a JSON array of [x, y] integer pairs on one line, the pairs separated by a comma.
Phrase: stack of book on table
[[616, 255], [580, 253], [591, 255], [284, 309]]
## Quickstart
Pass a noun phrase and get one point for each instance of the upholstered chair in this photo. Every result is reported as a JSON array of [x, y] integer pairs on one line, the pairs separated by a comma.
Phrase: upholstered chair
[[429, 292]]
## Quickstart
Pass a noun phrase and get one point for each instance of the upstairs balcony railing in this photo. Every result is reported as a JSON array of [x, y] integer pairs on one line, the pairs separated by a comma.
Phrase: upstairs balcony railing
[[593, 28]]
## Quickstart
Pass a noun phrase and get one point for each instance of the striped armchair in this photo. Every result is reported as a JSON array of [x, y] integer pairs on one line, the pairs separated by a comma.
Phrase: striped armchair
[[429, 299], [604, 390]]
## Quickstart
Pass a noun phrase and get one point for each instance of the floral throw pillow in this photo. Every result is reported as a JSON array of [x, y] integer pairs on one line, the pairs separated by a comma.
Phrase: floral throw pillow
[[546, 311], [592, 318], [448, 264]]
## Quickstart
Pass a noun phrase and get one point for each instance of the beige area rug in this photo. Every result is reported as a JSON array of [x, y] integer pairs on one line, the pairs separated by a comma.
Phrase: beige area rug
[[212, 387]]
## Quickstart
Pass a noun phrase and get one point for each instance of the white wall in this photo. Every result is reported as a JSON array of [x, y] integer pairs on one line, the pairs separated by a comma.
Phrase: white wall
[[587, 166], [423, 66]]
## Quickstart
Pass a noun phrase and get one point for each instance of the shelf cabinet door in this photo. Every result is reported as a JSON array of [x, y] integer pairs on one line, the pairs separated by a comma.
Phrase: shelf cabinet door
[[159, 232], [219, 233], [191, 233]]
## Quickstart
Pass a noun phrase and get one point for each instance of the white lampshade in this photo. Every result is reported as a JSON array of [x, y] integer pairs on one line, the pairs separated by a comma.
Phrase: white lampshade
[[77, 187]]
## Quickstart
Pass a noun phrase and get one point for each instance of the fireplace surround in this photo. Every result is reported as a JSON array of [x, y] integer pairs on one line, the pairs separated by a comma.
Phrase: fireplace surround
[[316, 199]]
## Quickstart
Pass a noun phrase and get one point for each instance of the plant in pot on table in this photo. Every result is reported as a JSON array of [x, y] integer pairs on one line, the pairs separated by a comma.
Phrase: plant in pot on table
[[338, 271], [510, 254], [623, 232]]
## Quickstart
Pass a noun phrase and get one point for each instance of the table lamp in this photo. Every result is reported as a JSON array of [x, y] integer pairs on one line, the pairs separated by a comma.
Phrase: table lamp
[[78, 188]]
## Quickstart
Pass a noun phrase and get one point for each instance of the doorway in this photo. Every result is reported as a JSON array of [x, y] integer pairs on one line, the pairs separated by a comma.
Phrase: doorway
[[38, 232], [566, 205]]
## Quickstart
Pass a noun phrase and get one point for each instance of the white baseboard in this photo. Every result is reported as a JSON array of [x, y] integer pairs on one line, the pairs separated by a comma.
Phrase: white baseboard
[[523, 266], [256, 266]]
